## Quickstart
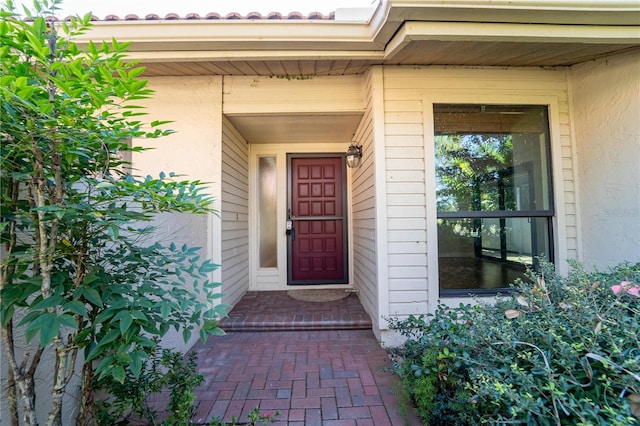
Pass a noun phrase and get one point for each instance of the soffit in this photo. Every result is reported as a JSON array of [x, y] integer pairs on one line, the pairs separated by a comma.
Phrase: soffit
[[296, 128], [407, 32]]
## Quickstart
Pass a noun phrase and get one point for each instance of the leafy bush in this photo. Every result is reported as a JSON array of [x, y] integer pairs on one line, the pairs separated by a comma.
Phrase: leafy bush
[[82, 274], [164, 369], [254, 418], [557, 350]]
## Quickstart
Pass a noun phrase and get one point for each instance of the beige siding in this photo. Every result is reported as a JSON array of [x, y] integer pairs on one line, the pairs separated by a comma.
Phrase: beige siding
[[235, 214], [406, 183], [363, 212]]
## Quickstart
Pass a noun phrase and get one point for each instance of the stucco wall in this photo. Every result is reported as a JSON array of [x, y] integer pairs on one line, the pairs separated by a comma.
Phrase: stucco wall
[[606, 121], [194, 104]]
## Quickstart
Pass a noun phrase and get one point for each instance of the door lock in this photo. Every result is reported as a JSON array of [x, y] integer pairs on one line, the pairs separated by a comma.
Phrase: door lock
[[290, 230]]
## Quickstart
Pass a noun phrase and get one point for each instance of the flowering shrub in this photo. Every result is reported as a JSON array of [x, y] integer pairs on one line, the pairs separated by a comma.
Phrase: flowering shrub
[[627, 286], [556, 351]]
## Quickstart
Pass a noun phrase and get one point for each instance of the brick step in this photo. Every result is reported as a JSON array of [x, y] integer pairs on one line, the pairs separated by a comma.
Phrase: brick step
[[275, 311], [267, 323]]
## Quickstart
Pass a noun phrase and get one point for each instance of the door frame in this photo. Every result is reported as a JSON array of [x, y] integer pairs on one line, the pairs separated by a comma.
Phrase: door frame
[[269, 279], [345, 219]]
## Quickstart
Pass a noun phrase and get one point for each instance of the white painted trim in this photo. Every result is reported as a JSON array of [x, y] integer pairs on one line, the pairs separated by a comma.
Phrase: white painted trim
[[380, 175], [350, 238], [538, 33], [575, 160], [512, 33], [214, 221], [519, 4], [210, 54], [276, 278], [559, 219], [433, 284], [487, 97]]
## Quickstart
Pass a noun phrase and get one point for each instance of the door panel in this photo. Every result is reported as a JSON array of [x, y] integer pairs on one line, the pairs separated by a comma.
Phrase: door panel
[[317, 244]]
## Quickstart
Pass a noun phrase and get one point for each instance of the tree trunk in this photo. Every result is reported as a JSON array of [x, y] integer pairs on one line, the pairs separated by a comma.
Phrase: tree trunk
[[65, 364], [11, 391], [86, 417]]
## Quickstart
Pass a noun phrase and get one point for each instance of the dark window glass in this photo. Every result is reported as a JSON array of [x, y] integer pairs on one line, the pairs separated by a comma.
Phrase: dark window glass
[[494, 194]]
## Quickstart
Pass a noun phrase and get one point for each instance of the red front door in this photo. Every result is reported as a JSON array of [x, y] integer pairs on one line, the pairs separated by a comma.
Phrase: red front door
[[317, 210]]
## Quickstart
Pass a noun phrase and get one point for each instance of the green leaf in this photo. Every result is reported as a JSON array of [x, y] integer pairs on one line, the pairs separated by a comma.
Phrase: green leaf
[[7, 312], [105, 185], [68, 321], [109, 337], [76, 307], [136, 364], [139, 315], [92, 296], [118, 374], [49, 302], [165, 310], [114, 232], [49, 331], [94, 352], [123, 357], [105, 366], [125, 322], [135, 72], [186, 335], [81, 336], [104, 316]]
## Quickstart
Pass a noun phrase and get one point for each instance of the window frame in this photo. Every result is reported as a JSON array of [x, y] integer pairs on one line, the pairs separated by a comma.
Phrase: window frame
[[556, 219]]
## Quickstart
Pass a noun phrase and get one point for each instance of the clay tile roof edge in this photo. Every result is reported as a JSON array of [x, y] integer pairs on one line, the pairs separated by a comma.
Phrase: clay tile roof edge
[[234, 16]]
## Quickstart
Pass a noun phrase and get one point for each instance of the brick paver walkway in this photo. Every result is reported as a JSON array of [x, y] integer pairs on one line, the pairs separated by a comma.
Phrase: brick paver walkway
[[328, 377], [315, 363]]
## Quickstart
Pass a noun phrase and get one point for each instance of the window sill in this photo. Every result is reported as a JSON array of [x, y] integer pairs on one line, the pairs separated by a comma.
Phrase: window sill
[[474, 292]]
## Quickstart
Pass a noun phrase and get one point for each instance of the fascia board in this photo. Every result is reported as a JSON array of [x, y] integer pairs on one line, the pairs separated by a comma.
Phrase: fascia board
[[254, 55], [234, 35], [586, 12], [393, 24], [524, 33]]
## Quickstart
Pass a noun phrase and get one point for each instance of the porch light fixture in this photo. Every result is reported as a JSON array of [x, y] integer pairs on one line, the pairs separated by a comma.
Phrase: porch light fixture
[[354, 155]]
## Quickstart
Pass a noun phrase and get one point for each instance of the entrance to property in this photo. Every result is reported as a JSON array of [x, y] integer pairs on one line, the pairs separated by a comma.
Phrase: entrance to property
[[316, 219]]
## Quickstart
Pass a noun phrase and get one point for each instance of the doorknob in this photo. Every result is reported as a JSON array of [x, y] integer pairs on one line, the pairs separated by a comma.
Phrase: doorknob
[[291, 231]]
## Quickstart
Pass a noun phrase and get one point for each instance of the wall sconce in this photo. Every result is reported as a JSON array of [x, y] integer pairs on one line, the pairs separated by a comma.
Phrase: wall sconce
[[354, 155]]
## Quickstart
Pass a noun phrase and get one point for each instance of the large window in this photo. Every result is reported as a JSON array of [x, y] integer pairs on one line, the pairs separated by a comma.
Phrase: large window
[[494, 197]]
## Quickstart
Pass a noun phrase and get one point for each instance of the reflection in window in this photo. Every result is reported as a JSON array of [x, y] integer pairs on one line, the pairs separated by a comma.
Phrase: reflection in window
[[493, 188], [267, 212]]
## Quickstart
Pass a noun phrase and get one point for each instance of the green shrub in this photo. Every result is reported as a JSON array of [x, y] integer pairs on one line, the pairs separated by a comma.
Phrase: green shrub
[[254, 417], [164, 369], [557, 350], [431, 364]]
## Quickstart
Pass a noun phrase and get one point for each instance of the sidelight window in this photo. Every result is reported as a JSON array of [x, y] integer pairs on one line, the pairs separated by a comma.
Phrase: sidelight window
[[267, 207]]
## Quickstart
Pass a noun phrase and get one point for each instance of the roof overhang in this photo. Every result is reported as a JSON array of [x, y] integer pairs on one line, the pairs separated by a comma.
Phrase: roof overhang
[[407, 32]]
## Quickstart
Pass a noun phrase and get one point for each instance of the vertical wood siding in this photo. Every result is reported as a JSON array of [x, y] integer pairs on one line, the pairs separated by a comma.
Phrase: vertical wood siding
[[404, 88], [364, 214], [235, 214]]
